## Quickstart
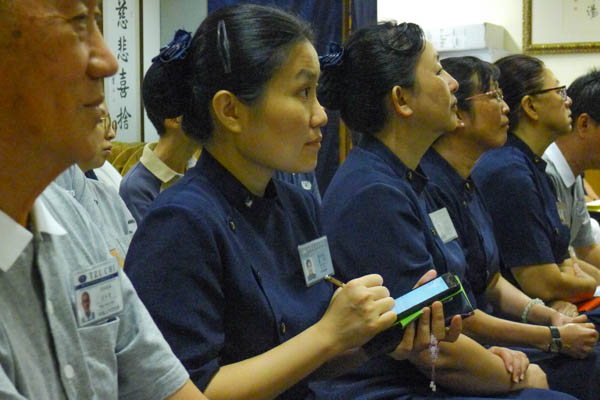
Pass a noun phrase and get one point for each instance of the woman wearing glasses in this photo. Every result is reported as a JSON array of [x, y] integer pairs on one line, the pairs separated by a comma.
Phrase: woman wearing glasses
[[530, 231], [107, 131], [97, 168], [380, 212], [448, 164], [100, 199]]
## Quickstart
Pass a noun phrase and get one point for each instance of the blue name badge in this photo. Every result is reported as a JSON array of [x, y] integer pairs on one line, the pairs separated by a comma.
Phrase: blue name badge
[[98, 293], [316, 260]]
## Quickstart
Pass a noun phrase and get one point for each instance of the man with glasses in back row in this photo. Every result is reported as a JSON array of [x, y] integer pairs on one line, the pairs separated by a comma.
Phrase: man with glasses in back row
[[52, 67], [568, 157]]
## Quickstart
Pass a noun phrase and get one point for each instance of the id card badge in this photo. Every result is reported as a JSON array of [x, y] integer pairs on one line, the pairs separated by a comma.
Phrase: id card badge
[[98, 293], [316, 260], [562, 212], [443, 225]]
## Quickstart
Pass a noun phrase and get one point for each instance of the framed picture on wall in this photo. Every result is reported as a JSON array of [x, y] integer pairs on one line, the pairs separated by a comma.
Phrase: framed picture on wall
[[561, 26]]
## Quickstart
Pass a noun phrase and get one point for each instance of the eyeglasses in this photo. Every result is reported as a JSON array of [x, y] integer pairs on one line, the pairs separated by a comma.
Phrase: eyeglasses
[[562, 90], [107, 123], [492, 94]]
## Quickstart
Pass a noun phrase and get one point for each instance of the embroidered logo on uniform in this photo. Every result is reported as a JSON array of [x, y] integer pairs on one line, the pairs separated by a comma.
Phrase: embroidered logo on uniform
[[306, 185]]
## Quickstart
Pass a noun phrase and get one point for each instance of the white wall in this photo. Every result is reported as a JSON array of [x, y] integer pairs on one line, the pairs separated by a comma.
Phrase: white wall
[[180, 14], [507, 13]]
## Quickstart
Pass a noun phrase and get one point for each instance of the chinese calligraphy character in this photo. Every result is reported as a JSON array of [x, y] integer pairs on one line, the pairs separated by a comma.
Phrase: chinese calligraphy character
[[122, 51], [123, 88], [592, 11], [122, 8], [123, 118]]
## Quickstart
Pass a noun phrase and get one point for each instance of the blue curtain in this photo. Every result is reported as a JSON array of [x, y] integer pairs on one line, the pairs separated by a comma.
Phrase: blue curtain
[[325, 17]]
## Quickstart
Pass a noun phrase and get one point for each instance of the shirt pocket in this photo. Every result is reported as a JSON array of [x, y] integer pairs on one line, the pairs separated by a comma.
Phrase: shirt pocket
[[99, 344]]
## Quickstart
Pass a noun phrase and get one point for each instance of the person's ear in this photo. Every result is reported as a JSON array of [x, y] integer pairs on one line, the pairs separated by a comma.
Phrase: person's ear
[[400, 101], [173, 123], [583, 125], [528, 107], [462, 116], [226, 108]]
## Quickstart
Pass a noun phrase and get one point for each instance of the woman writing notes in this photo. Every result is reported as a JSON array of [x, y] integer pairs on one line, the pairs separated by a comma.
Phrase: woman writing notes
[[216, 258]]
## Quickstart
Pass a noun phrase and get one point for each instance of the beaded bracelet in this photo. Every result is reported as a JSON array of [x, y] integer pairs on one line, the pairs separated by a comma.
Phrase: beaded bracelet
[[531, 303]]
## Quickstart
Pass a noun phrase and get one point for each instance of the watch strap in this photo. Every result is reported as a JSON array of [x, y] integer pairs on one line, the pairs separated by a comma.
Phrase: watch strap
[[555, 341]]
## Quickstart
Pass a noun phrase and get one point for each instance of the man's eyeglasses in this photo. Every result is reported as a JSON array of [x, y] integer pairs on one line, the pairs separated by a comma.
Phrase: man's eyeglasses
[[562, 90], [107, 123], [492, 94]]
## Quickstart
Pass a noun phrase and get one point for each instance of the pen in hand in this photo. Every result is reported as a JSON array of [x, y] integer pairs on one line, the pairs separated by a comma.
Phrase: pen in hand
[[334, 281]]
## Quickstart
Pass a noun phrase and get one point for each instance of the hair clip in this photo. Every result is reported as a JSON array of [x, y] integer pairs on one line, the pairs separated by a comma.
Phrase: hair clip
[[223, 46], [176, 49], [334, 57]]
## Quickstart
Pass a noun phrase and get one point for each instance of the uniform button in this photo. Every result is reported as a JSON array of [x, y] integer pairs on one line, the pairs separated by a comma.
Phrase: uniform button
[[410, 175], [468, 185], [434, 232], [248, 202], [282, 326], [69, 372], [464, 203], [232, 225], [556, 230], [50, 307]]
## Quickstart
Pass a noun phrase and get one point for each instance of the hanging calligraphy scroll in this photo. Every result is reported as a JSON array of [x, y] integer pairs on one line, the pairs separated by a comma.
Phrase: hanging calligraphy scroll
[[122, 91]]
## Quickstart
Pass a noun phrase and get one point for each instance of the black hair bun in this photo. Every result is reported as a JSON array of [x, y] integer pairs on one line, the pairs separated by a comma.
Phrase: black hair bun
[[166, 88]]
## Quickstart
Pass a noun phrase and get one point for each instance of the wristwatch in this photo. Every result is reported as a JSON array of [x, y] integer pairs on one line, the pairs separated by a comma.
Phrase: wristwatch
[[555, 342]]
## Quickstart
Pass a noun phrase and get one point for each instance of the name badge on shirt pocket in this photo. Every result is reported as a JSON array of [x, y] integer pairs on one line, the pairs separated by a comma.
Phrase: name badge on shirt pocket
[[98, 293], [443, 225], [316, 260]]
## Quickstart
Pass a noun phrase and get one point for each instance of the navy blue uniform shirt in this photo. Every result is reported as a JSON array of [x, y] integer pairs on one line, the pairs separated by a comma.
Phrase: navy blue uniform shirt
[[304, 180], [218, 269], [375, 215], [471, 220], [522, 202]]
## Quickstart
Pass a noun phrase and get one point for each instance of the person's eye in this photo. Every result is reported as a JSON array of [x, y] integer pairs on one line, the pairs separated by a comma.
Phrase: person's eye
[[440, 71], [80, 22], [81, 18], [305, 92]]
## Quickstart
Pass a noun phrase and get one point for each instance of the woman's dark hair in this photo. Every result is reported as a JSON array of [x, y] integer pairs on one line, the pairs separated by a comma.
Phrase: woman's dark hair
[[585, 93], [519, 76], [473, 76], [236, 48], [161, 89], [375, 59]]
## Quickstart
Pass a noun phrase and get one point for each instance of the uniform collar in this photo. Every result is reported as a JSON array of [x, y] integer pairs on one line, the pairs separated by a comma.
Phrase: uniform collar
[[554, 156], [440, 166], [156, 166], [514, 141], [233, 190], [417, 178], [16, 238]]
